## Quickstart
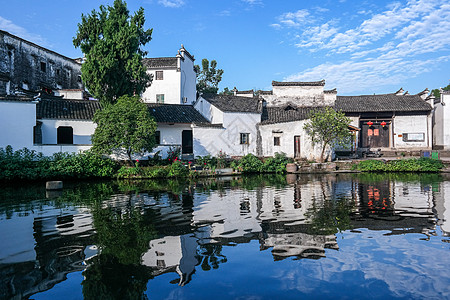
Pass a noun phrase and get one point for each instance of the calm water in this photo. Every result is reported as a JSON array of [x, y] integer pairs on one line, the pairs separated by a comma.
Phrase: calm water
[[273, 237]]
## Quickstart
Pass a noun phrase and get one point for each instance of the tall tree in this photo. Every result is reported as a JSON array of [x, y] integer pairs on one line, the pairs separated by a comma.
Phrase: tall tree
[[208, 77], [112, 40], [328, 127], [125, 127], [437, 92]]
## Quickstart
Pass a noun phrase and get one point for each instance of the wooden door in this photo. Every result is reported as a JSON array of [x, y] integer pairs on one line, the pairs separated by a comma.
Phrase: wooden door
[[297, 152], [374, 136]]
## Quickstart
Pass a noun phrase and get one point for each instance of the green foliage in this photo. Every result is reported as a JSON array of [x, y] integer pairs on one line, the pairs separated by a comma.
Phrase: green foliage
[[328, 127], [83, 165], [112, 40], [124, 128], [276, 164], [177, 169], [207, 162], [30, 165], [423, 164], [437, 92], [173, 154], [126, 172], [226, 91], [208, 77], [248, 164]]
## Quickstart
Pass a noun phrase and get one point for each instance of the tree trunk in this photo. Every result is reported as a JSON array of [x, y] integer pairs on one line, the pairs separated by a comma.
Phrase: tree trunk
[[323, 151]]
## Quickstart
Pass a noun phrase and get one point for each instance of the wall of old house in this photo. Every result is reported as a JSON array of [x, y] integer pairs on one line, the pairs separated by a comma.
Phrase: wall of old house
[[212, 140], [441, 126], [82, 131], [210, 112], [178, 84], [17, 120], [413, 126], [299, 95], [286, 132], [25, 65]]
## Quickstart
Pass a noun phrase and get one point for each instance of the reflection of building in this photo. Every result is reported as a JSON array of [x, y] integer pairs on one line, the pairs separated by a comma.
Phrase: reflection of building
[[171, 253], [442, 206], [40, 248]]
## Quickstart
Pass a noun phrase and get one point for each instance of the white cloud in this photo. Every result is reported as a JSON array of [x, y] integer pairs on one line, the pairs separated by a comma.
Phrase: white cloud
[[351, 76], [295, 19], [386, 48], [171, 3], [253, 2], [21, 32]]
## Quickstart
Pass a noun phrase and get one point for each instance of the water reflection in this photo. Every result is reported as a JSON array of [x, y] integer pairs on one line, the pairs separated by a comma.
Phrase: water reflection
[[120, 236]]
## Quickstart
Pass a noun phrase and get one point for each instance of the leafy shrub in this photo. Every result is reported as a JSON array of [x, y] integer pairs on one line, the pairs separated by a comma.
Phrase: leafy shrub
[[177, 169], [404, 165], [173, 154], [155, 172], [83, 165], [248, 164], [207, 162], [276, 164], [126, 172]]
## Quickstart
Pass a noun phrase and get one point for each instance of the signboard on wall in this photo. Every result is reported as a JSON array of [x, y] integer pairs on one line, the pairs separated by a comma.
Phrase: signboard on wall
[[413, 137]]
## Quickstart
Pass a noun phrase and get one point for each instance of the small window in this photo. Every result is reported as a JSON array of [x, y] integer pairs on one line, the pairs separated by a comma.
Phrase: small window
[[245, 138], [65, 135], [43, 66], [160, 98], [58, 71], [79, 78], [158, 137], [276, 141], [159, 75]]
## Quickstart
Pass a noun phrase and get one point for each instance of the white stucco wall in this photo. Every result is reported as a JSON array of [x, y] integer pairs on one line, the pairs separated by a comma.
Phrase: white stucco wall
[[441, 129], [211, 140], [188, 79], [82, 131], [286, 132], [411, 125], [170, 137], [17, 120], [210, 112], [169, 86]]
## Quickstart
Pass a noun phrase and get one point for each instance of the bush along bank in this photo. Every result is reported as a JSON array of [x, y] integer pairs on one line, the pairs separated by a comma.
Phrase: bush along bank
[[25, 164], [206, 166], [402, 165]]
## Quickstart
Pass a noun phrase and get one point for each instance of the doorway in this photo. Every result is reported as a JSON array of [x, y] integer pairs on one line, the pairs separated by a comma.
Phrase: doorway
[[297, 152], [187, 143]]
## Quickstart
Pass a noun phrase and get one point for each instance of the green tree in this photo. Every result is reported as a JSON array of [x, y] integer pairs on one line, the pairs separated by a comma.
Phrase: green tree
[[208, 77], [111, 40], [437, 92], [328, 127], [124, 128], [226, 91]]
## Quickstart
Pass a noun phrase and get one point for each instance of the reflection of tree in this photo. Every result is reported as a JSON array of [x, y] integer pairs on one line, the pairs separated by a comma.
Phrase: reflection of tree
[[211, 256], [330, 217], [123, 235]]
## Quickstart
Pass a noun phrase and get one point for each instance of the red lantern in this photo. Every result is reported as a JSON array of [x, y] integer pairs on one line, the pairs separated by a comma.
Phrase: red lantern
[[370, 123], [383, 123]]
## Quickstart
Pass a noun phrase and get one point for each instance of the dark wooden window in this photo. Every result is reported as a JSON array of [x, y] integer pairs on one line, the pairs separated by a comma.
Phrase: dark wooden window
[[245, 138], [158, 137], [159, 75], [65, 135], [43, 66], [276, 141], [160, 98]]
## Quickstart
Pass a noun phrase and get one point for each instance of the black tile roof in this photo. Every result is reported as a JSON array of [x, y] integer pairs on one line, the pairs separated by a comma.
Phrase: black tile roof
[[299, 83], [379, 103], [286, 113], [230, 103], [175, 113], [245, 92], [160, 62], [66, 109], [14, 98]]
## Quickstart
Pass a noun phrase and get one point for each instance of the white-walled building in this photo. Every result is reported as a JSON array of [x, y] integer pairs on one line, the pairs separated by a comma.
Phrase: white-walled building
[[441, 126], [174, 79]]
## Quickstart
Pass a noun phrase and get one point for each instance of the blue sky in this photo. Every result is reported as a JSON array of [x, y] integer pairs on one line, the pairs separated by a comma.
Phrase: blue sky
[[358, 47]]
